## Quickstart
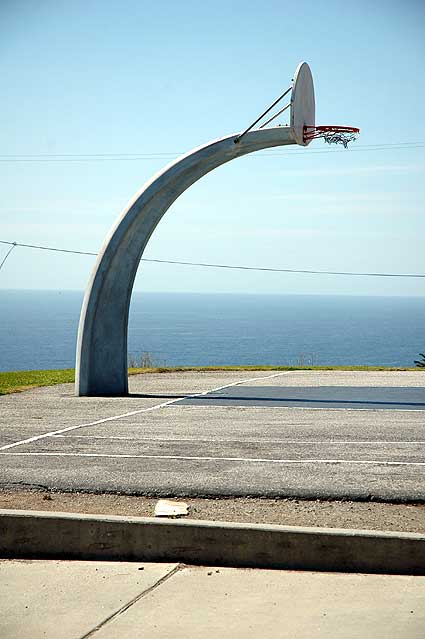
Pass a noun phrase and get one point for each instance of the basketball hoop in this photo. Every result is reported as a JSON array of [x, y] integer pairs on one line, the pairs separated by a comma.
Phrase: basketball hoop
[[331, 134]]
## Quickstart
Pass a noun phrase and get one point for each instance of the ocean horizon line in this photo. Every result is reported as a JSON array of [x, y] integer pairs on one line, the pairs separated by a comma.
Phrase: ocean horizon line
[[224, 293]]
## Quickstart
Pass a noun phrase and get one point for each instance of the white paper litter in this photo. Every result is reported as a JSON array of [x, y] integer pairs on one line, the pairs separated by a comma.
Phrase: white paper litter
[[166, 508]]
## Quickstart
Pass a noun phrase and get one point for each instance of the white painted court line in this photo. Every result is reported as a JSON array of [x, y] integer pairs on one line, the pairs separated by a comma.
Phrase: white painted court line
[[243, 439], [299, 408], [29, 440], [249, 460]]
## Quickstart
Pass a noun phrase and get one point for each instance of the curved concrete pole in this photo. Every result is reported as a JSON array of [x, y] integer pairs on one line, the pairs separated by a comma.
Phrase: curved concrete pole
[[101, 366]]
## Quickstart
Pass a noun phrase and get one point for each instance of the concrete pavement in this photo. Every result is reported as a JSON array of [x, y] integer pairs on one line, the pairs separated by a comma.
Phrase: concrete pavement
[[105, 600], [148, 443], [151, 443], [55, 535]]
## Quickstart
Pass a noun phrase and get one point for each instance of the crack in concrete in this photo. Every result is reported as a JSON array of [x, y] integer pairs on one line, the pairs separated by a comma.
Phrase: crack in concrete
[[133, 601]]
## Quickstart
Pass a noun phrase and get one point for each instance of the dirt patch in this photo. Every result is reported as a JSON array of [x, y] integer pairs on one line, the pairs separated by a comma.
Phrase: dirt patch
[[287, 512]]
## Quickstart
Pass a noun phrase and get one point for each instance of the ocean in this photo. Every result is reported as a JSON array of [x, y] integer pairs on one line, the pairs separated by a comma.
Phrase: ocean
[[39, 329]]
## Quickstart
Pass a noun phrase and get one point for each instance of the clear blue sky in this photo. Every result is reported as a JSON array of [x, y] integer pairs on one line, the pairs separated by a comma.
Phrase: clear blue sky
[[137, 77]]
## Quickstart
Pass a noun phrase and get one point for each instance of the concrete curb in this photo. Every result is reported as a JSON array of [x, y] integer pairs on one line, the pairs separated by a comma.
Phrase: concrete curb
[[36, 535]]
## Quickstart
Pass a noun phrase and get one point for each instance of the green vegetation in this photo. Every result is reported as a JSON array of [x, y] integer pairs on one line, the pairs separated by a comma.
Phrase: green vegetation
[[17, 381], [145, 360]]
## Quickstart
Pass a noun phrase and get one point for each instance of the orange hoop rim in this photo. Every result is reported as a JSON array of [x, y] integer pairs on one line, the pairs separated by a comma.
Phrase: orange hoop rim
[[313, 132]]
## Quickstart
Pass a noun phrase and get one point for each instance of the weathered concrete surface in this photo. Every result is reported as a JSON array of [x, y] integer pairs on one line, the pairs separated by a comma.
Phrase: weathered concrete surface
[[68, 599], [101, 366], [208, 602], [201, 451], [32, 535], [199, 602]]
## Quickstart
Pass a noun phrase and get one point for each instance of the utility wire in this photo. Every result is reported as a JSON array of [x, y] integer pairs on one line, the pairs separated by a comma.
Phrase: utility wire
[[226, 266], [125, 157], [47, 248], [8, 253]]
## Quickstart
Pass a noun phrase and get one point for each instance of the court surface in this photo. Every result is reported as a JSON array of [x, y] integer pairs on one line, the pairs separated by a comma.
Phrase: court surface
[[314, 397], [311, 434]]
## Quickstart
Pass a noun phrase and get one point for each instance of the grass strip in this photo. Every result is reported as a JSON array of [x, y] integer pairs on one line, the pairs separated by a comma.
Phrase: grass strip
[[17, 381]]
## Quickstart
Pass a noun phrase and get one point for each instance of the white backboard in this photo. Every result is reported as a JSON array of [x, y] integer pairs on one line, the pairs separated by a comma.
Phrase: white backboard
[[303, 109]]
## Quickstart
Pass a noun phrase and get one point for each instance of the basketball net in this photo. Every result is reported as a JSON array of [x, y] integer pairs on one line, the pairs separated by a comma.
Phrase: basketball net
[[331, 134]]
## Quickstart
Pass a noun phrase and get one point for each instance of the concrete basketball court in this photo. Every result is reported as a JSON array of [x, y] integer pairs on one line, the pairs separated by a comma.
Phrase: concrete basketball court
[[311, 434]]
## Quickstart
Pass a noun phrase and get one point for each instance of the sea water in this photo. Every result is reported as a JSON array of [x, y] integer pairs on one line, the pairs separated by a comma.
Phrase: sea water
[[39, 329]]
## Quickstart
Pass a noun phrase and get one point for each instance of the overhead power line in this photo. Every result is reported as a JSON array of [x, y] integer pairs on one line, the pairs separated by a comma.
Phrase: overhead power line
[[48, 248], [134, 157], [7, 254], [225, 266]]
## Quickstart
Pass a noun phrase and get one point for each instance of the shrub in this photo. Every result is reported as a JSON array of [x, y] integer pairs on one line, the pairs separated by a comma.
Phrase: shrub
[[419, 363], [144, 360]]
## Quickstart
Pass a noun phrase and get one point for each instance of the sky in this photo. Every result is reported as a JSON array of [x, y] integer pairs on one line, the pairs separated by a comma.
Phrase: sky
[[84, 82]]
